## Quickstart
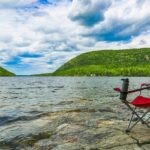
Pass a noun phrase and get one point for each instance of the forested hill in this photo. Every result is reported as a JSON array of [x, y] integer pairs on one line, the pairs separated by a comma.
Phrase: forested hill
[[4, 72], [131, 62]]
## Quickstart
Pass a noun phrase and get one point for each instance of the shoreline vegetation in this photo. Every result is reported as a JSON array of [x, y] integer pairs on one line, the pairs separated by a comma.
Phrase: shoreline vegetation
[[129, 62], [4, 72]]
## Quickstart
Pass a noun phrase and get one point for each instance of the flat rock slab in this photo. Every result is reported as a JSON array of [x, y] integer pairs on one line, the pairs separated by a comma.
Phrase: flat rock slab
[[94, 134], [78, 129], [141, 134], [146, 147], [127, 147]]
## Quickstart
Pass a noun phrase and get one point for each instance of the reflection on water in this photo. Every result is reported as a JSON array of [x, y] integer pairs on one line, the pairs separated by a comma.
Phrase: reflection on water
[[27, 98]]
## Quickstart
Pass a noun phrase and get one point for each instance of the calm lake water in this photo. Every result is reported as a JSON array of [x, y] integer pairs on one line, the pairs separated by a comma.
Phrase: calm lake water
[[26, 98]]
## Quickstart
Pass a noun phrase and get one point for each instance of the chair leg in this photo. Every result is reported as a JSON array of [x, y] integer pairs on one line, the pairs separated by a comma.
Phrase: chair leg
[[147, 120], [131, 127], [140, 119], [127, 130]]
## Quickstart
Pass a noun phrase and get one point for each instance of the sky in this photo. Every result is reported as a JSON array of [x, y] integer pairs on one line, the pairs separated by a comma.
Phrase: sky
[[38, 36]]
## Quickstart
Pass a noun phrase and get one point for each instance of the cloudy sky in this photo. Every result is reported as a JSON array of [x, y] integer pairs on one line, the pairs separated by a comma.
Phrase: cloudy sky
[[38, 36]]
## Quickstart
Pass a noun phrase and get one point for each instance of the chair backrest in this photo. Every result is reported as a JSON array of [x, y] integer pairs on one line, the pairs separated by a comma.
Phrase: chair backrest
[[124, 89]]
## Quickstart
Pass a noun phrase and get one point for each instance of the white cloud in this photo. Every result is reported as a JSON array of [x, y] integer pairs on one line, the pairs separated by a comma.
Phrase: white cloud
[[89, 12], [123, 20], [61, 32], [15, 3]]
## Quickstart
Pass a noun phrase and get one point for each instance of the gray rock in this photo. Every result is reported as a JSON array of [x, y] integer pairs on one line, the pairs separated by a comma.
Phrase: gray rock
[[146, 147]]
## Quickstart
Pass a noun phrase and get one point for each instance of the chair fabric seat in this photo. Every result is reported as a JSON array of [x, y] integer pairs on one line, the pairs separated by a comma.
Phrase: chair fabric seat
[[141, 101]]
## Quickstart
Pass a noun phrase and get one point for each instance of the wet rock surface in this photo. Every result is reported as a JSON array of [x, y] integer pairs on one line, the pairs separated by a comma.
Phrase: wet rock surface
[[86, 127]]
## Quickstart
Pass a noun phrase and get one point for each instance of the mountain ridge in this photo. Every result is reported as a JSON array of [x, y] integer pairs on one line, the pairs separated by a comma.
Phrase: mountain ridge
[[127, 62]]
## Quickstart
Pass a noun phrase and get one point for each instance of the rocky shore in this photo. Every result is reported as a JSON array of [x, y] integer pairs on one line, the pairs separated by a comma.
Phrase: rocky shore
[[86, 127]]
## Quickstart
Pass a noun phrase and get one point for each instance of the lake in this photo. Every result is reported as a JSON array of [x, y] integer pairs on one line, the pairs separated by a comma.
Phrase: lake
[[25, 99]]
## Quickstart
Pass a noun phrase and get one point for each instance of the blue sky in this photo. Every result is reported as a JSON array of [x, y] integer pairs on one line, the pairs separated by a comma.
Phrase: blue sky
[[38, 36]]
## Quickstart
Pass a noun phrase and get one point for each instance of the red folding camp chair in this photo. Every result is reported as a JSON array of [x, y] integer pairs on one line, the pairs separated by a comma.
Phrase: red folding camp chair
[[139, 102]]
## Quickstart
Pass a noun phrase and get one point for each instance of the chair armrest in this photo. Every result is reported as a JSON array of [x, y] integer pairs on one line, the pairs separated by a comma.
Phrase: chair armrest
[[145, 84], [117, 89]]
